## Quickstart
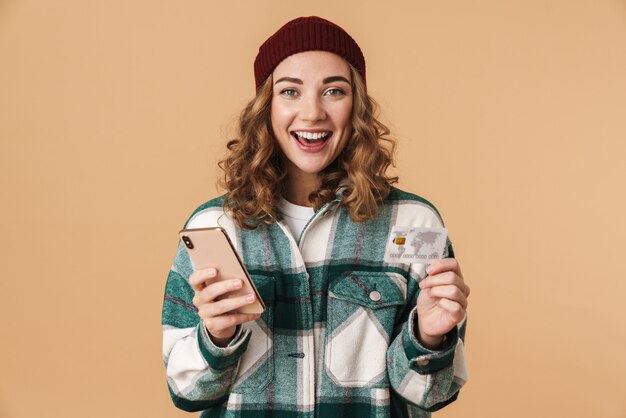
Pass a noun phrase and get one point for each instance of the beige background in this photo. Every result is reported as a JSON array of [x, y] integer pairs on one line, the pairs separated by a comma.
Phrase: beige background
[[511, 118]]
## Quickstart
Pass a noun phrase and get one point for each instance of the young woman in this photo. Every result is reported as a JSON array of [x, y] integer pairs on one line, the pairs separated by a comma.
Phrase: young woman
[[310, 209]]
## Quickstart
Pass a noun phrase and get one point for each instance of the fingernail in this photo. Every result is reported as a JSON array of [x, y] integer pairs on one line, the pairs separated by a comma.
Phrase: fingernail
[[212, 272], [250, 298], [237, 284], [429, 269]]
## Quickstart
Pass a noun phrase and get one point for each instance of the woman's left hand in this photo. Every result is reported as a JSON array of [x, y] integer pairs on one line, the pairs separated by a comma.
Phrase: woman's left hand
[[442, 302]]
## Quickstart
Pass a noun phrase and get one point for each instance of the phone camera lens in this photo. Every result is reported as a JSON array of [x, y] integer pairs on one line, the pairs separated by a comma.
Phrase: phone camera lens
[[188, 242]]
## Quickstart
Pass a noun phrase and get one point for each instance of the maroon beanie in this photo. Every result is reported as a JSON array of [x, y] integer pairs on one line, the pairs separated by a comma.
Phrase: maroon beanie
[[306, 34]]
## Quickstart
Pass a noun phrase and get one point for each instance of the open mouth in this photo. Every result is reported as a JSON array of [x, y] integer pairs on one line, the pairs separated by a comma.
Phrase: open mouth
[[309, 139]]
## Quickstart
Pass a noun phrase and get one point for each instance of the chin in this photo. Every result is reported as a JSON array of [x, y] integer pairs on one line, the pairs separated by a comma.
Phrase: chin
[[312, 169]]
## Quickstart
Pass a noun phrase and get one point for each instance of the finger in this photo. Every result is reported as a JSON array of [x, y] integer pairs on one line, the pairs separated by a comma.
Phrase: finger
[[215, 325], [454, 308], [450, 292], [220, 288], [215, 290], [445, 278], [227, 305], [445, 264], [198, 278]]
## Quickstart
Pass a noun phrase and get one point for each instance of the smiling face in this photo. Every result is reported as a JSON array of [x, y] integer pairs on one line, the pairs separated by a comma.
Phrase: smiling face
[[311, 111]]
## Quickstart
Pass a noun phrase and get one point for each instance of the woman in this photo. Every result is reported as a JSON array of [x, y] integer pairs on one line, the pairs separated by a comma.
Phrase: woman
[[310, 209]]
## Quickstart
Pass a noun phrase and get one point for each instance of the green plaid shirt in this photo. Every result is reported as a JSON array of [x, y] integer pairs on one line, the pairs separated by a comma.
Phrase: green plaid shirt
[[325, 347]]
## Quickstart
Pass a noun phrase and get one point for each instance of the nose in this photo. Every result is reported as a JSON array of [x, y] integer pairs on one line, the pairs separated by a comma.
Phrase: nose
[[312, 109]]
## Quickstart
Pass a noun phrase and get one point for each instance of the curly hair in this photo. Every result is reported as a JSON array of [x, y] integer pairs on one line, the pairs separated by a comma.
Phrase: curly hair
[[254, 174]]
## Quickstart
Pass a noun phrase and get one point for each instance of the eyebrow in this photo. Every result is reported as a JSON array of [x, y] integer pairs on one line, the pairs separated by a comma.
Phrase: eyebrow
[[335, 78], [325, 81]]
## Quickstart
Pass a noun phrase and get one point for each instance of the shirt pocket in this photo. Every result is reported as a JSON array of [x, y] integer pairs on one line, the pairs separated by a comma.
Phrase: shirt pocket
[[361, 312], [256, 366]]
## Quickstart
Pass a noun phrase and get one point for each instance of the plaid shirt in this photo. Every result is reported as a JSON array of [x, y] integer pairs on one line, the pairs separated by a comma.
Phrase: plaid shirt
[[325, 347]]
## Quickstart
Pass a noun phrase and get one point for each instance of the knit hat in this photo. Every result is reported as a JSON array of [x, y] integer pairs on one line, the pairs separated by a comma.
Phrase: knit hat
[[306, 34]]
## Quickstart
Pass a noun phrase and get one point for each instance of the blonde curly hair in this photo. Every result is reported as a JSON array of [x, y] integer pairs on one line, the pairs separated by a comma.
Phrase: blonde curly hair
[[254, 174]]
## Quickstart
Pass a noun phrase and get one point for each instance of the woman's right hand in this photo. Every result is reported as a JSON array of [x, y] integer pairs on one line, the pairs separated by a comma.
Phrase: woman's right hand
[[215, 309]]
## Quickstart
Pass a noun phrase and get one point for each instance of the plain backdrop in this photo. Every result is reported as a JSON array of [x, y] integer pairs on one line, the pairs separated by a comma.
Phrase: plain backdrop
[[510, 117]]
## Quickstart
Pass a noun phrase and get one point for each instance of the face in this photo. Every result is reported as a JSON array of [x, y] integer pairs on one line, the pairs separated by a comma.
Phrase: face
[[311, 110]]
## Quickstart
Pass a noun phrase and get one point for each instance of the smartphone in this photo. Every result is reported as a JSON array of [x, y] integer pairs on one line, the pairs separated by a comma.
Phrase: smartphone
[[211, 247]]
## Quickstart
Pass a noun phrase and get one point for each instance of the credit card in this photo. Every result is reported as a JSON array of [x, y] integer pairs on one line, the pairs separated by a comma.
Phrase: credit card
[[415, 245]]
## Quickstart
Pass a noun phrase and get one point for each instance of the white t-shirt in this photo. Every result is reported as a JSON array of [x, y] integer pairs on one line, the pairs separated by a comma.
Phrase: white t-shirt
[[295, 216]]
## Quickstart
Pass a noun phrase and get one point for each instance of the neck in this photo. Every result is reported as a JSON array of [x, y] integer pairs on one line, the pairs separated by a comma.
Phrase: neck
[[299, 186]]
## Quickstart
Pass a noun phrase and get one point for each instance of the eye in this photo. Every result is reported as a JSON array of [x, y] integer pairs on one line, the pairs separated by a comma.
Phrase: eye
[[289, 92], [335, 92]]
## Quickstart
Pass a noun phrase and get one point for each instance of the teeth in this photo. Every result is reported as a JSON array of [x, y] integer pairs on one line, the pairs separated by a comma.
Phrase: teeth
[[311, 135]]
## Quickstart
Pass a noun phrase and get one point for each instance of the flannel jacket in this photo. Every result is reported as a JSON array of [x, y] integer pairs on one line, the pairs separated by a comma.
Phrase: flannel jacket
[[325, 346]]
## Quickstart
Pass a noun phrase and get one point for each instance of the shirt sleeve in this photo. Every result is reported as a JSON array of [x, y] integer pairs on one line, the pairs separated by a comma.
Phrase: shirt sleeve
[[199, 374], [421, 377]]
